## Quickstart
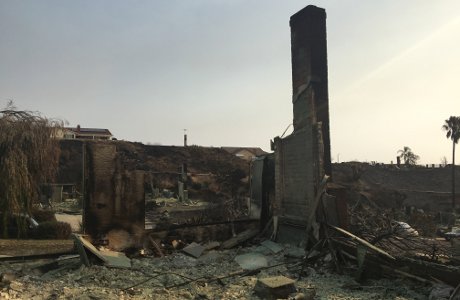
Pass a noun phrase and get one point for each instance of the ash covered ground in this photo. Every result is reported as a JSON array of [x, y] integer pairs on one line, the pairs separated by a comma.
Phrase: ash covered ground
[[214, 275]]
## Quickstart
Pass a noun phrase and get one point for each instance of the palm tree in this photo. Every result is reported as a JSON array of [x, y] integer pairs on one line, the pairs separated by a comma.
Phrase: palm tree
[[409, 157], [452, 128]]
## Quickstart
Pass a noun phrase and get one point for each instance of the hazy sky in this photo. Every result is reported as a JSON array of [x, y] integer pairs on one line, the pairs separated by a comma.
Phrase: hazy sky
[[222, 69]]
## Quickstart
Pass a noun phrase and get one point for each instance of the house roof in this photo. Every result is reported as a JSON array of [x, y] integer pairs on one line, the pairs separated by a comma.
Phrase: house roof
[[254, 150], [89, 131]]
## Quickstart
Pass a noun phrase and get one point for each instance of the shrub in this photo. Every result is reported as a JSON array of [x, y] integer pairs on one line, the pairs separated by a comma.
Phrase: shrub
[[52, 230], [43, 215]]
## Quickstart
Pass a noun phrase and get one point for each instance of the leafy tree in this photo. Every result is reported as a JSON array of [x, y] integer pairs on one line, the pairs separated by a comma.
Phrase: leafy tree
[[452, 128], [409, 157], [28, 157]]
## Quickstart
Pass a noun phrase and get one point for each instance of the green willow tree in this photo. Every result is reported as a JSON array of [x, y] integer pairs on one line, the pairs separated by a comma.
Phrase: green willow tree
[[28, 157], [452, 128], [409, 157]]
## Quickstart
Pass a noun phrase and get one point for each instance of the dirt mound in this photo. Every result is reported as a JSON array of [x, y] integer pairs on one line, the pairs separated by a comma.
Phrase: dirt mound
[[428, 189], [209, 169], [389, 176]]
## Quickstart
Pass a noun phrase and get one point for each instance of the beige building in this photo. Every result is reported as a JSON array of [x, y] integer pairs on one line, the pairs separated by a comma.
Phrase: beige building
[[84, 133], [246, 153]]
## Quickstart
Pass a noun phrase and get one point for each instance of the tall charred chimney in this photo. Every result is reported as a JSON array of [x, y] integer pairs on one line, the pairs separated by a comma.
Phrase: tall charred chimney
[[309, 73]]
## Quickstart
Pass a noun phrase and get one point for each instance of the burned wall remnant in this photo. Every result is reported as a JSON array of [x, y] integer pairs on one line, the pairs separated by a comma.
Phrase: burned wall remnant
[[114, 196], [262, 188], [303, 158]]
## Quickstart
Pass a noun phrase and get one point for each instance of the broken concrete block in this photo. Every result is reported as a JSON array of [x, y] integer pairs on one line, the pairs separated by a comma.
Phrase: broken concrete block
[[212, 245], [194, 249], [274, 287], [16, 286], [440, 292], [8, 277], [274, 247], [295, 252], [307, 294], [263, 250], [251, 261], [210, 257]]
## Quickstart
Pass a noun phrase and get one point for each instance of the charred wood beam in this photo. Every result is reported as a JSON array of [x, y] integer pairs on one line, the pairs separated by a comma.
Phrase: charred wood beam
[[447, 274], [416, 269], [362, 242]]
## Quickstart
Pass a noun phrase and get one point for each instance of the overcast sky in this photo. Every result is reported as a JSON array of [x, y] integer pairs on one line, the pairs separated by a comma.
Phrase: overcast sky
[[222, 69]]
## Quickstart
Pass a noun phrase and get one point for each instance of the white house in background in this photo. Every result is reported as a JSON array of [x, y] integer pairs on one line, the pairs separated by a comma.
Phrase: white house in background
[[84, 133], [246, 153]]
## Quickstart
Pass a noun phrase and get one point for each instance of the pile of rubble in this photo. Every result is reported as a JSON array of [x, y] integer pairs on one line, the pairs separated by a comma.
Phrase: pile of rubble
[[264, 271]]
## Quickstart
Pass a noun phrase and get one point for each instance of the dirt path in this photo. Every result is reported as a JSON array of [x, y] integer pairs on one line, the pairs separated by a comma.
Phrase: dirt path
[[75, 221]]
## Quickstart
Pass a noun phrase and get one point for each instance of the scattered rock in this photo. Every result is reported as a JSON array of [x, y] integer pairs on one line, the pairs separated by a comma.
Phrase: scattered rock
[[202, 296], [440, 292], [295, 252], [263, 250], [307, 294], [274, 287], [8, 277], [272, 246], [310, 271], [100, 282], [210, 257], [185, 295], [212, 245], [16, 286]]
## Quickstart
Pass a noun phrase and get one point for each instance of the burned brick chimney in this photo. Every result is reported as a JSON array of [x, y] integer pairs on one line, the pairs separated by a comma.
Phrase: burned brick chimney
[[303, 158], [309, 73]]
